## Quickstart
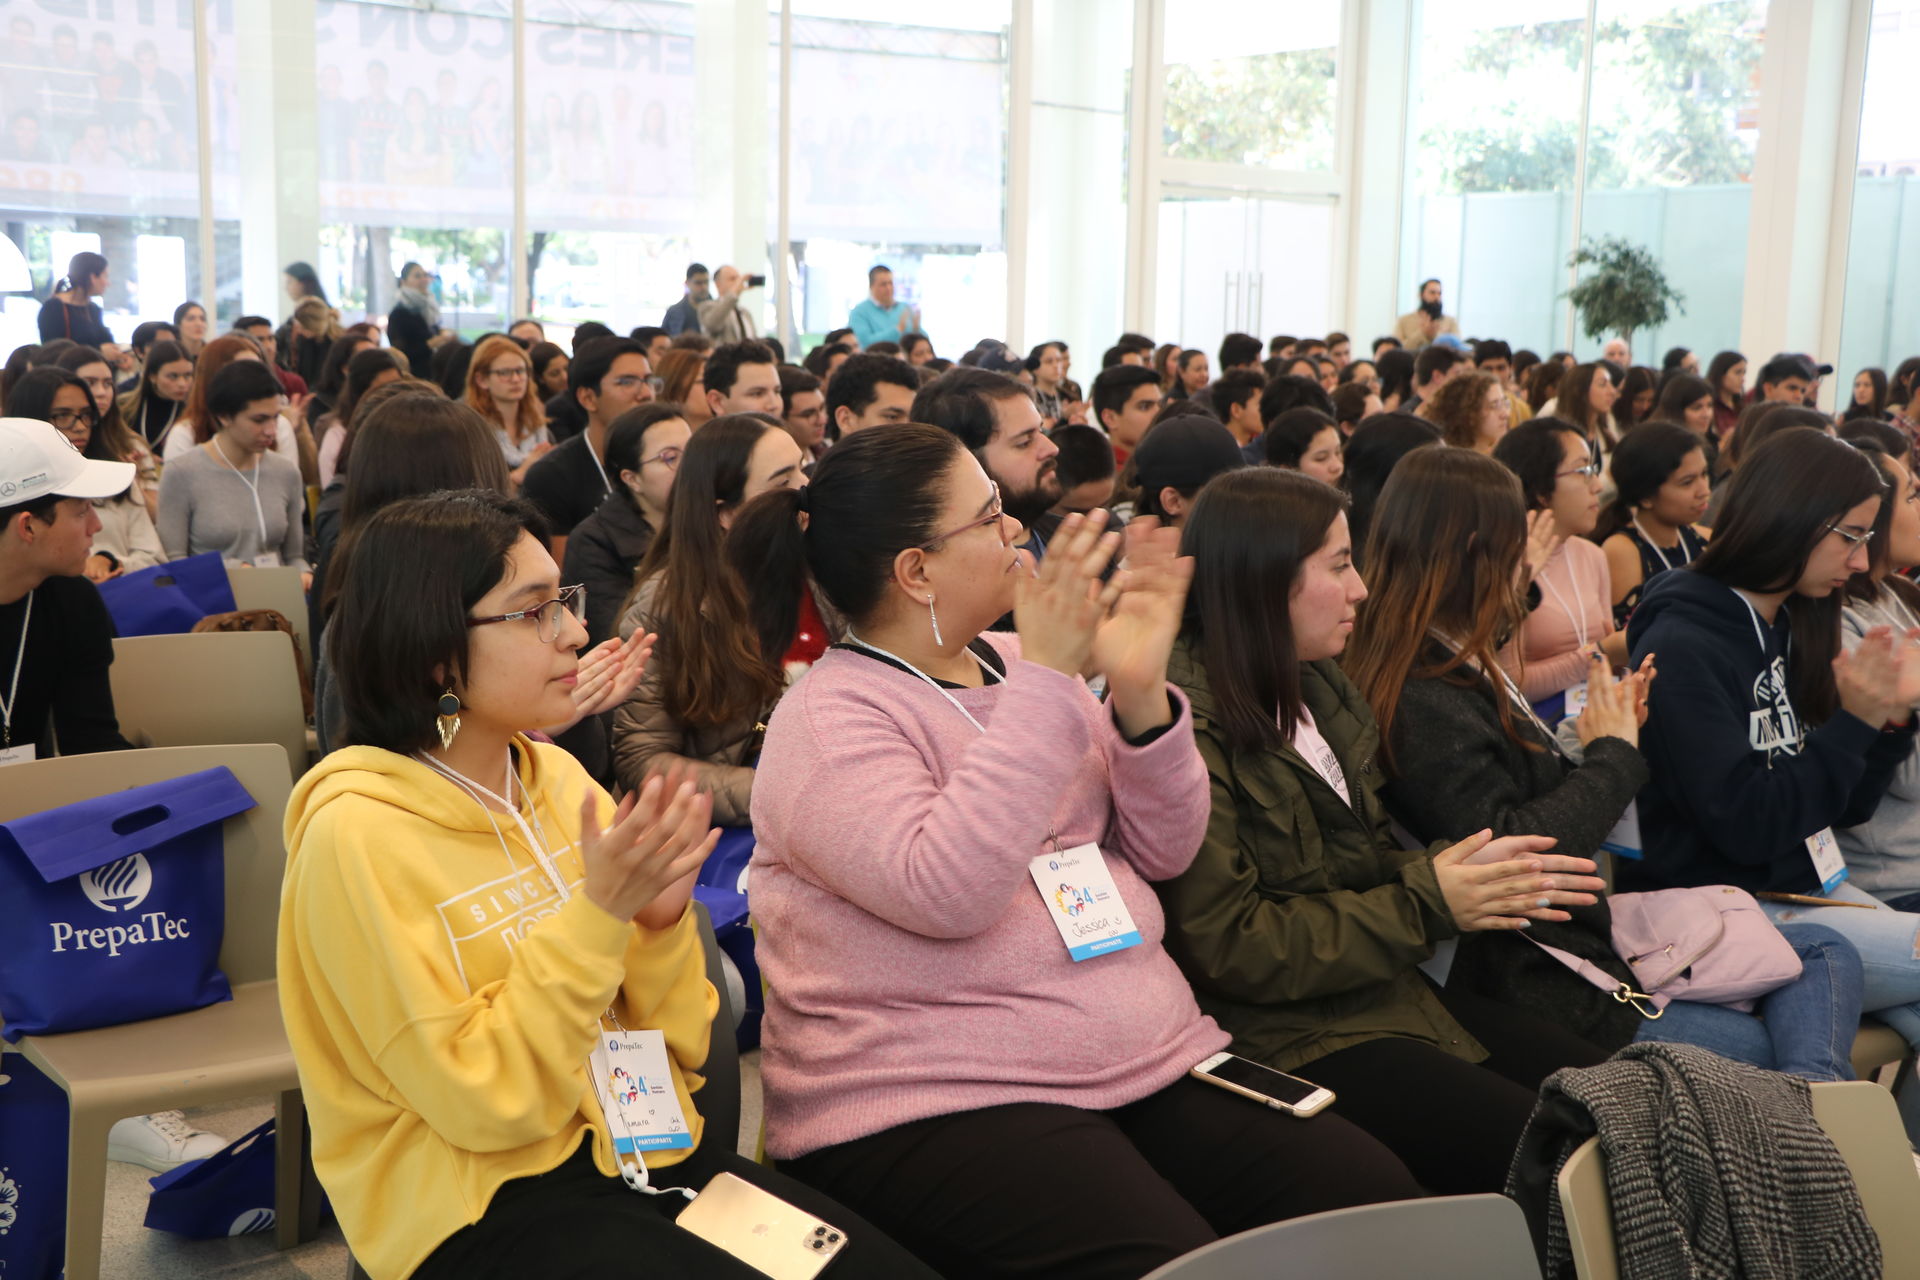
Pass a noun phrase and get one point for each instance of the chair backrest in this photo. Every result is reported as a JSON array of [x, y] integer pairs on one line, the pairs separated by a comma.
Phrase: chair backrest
[[719, 1099], [256, 853], [210, 689], [1864, 1123], [279, 589], [1447, 1238]]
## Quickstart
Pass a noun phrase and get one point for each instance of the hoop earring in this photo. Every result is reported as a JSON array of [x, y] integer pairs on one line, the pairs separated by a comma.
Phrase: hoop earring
[[935, 619], [448, 721]]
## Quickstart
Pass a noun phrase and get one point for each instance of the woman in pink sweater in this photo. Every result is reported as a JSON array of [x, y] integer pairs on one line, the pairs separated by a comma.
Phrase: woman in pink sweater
[[934, 1054], [1573, 617]]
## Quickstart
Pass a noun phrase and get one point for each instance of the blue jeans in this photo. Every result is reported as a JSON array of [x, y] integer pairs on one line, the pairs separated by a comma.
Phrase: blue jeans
[[1805, 1028], [1889, 946]]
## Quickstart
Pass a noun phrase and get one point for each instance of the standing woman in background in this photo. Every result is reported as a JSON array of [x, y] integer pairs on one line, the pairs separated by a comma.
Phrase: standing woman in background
[[304, 340], [1727, 375], [70, 310], [500, 388], [117, 442], [151, 408], [682, 372], [190, 320], [413, 326], [1660, 474]]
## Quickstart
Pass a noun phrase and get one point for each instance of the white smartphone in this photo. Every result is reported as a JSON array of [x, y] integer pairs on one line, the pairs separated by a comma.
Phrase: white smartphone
[[761, 1229], [1298, 1098]]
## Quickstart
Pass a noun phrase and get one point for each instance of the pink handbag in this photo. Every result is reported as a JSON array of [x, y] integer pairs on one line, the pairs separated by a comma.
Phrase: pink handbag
[[1711, 944]]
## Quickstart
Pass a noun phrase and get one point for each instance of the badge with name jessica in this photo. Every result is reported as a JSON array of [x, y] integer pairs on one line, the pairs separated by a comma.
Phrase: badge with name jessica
[[1828, 862], [636, 1092], [1083, 902]]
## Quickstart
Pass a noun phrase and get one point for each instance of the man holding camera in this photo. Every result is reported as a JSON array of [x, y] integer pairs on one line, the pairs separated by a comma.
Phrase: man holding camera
[[722, 318]]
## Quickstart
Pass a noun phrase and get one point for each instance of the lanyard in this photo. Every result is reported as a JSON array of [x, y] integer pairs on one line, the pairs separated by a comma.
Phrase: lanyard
[[1577, 618], [1513, 693], [597, 466], [252, 481], [993, 677], [1654, 547], [1759, 632], [476, 791], [13, 689]]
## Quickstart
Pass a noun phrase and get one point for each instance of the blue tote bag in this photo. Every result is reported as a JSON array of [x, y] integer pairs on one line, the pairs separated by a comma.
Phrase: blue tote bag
[[33, 1171], [168, 599], [116, 906], [230, 1193]]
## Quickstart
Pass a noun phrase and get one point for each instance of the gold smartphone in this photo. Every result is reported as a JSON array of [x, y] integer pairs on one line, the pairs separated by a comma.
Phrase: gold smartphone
[[762, 1230]]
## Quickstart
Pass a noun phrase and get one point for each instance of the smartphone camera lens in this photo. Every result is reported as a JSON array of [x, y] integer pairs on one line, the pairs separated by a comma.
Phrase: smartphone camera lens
[[832, 1236], [816, 1244], [819, 1231]]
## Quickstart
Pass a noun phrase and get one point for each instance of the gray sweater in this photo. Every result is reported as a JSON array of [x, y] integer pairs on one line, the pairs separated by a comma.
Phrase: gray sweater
[[207, 506], [1883, 853]]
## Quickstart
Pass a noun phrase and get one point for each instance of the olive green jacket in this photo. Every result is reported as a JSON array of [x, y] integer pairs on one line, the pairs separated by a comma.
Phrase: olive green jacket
[[1301, 922]]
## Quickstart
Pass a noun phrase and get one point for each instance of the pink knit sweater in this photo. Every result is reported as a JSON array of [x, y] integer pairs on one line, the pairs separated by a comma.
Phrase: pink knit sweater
[[912, 968], [1575, 583]]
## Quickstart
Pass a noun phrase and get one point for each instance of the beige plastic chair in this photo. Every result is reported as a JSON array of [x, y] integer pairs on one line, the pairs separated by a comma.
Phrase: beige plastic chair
[[210, 689], [1863, 1122], [1877, 1045], [223, 1052], [1443, 1238], [278, 589]]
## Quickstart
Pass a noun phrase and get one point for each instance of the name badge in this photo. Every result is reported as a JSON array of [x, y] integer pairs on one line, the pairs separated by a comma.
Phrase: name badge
[[266, 560], [1576, 700], [1828, 862], [1082, 901], [1624, 840], [17, 755], [636, 1092]]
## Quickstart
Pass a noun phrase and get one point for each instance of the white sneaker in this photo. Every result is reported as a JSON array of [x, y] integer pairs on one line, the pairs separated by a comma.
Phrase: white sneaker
[[161, 1141]]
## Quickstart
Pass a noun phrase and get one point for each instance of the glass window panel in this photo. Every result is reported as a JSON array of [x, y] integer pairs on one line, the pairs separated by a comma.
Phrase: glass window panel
[[1250, 82], [1880, 327], [99, 154]]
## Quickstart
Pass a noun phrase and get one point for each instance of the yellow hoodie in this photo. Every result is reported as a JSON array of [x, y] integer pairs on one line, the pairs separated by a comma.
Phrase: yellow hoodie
[[442, 1001]]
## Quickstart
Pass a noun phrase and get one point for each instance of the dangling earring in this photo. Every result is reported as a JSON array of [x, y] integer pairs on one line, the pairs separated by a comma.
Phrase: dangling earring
[[938, 642], [448, 720]]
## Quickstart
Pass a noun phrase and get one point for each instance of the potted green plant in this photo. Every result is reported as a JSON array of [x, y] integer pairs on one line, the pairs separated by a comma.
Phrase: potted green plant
[[1621, 289]]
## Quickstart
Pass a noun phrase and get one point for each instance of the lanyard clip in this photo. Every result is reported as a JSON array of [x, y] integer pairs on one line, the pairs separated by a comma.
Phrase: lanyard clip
[[1628, 996]]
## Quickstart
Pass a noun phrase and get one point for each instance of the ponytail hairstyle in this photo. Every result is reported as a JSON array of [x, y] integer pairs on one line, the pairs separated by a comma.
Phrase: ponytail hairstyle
[[1646, 458], [874, 495], [714, 665], [81, 269], [1443, 557], [1249, 534], [1787, 493]]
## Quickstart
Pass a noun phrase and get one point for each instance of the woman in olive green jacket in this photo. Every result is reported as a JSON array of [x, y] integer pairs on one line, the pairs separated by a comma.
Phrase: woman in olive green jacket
[[1302, 923]]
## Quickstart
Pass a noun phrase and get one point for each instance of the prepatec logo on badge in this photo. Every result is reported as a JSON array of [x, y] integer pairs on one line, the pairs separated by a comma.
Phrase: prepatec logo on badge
[[119, 886]]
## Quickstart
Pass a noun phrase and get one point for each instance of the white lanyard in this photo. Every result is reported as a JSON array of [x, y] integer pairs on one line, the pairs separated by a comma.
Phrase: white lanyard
[[13, 689], [476, 791], [588, 442], [252, 481], [993, 677], [1513, 692], [1577, 617], [1759, 632], [1907, 621], [1653, 546]]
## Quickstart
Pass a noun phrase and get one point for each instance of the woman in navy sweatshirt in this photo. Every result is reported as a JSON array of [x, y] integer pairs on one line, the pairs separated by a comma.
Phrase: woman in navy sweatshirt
[[1762, 736]]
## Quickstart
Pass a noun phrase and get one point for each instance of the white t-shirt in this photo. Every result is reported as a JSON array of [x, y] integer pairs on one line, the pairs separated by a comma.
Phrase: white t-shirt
[[1313, 748]]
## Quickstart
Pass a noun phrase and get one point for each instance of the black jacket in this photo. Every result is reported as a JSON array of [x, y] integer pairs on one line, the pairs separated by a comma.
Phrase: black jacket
[[64, 703], [567, 485], [408, 333], [1738, 782], [602, 552], [1456, 772]]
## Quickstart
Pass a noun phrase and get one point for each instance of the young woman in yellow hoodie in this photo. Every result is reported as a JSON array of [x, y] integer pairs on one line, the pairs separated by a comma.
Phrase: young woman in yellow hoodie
[[458, 933]]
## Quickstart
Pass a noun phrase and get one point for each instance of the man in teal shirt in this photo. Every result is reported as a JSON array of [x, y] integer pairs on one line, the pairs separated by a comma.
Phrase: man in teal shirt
[[880, 318]]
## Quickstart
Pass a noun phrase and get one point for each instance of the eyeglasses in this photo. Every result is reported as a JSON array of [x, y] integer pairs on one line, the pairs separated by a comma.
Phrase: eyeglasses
[[1852, 539], [66, 420], [518, 371], [991, 517], [546, 617], [631, 382], [668, 458], [1590, 471]]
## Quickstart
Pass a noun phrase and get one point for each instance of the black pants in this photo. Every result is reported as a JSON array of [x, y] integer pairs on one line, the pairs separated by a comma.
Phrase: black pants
[[1454, 1123], [1033, 1189], [575, 1223]]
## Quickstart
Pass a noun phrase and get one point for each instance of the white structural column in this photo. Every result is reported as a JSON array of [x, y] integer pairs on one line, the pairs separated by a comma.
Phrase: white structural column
[[279, 177], [1146, 116], [1077, 222], [1378, 158], [1810, 77], [730, 63], [1020, 60]]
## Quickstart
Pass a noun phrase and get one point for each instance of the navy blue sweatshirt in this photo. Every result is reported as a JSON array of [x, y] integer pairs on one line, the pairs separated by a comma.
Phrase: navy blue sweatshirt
[[1738, 782]]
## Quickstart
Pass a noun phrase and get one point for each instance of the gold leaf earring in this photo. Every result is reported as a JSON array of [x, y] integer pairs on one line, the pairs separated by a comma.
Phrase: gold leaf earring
[[448, 721]]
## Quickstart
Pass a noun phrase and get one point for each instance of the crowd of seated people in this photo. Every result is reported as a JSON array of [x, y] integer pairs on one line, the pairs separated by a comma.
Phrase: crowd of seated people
[[1353, 686]]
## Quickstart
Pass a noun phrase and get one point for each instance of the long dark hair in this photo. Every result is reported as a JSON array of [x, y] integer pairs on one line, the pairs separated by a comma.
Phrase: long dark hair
[[1533, 452], [1639, 378], [1879, 578], [874, 495], [1785, 497], [112, 440], [309, 280], [333, 370], [627, 440], [1905, 385], [1874, 408], [714, 665], [1443, 555], [1373, 451], [1677, 394], [1647, 457], [361, 371], [1249, 533], [81, 269], [1717, 372], [133, 405]]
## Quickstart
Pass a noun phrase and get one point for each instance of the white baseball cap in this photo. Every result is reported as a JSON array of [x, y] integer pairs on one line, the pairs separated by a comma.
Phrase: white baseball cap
[[36, 462]]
